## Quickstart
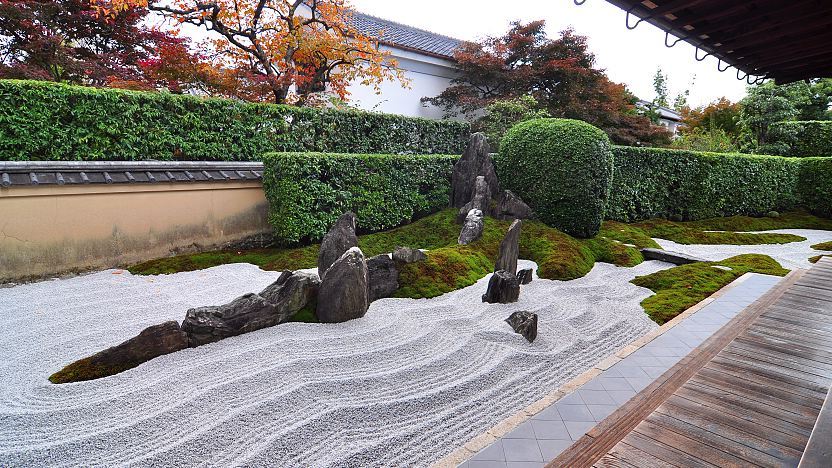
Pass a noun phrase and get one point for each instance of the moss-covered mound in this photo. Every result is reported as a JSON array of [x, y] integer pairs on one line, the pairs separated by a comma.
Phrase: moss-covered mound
[[789, 220], [817, 258], [696, 233], [89, 369], [683, 286], [445, 270], [823, 246]]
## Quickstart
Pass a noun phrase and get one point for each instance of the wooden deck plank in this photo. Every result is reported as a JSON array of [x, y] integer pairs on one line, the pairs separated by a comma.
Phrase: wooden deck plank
[[748, 396]]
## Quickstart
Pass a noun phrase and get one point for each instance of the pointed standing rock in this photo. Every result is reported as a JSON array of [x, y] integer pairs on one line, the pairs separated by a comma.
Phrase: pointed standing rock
[[503, 288], [339, 239], [472, 229], [481, 200], [475, 161], [524, 323], [344, 292], [510, 249]]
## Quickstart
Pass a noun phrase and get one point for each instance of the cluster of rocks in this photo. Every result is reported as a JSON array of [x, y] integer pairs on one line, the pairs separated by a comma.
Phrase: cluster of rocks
[[475, 191], [342, 290]]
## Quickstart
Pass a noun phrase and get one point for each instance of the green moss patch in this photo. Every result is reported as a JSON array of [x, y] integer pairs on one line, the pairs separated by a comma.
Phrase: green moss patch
[[681, 287], [445, 270], [693, 233], [88, 369], [790, 220], [817, 258], [823, 246]]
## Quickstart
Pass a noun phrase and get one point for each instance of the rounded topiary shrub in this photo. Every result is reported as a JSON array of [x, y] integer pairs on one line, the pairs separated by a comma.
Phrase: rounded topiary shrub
[[562, 169]]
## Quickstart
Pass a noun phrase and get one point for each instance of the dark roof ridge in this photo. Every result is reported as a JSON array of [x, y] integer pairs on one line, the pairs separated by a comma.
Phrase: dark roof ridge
[[426, 31]]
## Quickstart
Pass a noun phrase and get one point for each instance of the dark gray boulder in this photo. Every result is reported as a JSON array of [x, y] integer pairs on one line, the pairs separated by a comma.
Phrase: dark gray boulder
[[291, 293], [525, 276], [510, 206], [408, 255], [524, 323], [675, 258], [475, 161], [503, 288], [510, 249], [153, 341], [472, 228], [340, 238], [383, 276], [242, 315], [344, 292], [480, 201]]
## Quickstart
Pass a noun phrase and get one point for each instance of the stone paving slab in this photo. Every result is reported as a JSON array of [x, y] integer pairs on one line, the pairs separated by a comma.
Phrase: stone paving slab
[[557, 425]]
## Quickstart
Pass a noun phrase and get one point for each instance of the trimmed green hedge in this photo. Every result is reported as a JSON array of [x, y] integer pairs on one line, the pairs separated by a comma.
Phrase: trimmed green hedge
[[663, 183], [816, 185], [562, 169], [308, 191], [803, 138], [50, 121]]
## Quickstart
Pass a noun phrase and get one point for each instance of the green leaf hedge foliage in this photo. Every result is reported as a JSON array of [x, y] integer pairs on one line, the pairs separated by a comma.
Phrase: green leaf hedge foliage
[[803, 138], [308, 191], [662, 183], [562, 168], [51, 121]]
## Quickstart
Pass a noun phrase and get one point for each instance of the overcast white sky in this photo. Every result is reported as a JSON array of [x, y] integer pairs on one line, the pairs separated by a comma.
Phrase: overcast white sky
[[630, 57]]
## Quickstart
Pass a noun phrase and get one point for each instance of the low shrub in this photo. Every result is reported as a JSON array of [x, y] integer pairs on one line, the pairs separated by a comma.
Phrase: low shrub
[[308, 191], [562, 168], [803, 138], [51, 121], [679, 184]]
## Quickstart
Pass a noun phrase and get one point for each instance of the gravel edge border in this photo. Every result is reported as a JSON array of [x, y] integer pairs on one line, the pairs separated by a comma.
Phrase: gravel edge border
[[505, 426]]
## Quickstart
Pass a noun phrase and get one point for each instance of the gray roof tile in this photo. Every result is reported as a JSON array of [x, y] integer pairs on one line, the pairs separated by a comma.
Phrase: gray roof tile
[[404, 36]]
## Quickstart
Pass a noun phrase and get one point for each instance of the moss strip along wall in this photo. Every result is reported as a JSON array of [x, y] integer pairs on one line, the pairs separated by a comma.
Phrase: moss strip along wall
[[308, 191], [50, 121], [661, 183]]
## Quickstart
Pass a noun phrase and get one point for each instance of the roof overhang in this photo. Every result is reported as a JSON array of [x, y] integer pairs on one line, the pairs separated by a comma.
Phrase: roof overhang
[[787, 40]]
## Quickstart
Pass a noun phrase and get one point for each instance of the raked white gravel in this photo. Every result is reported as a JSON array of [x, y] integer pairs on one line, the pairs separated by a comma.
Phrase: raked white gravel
[[405, 385]]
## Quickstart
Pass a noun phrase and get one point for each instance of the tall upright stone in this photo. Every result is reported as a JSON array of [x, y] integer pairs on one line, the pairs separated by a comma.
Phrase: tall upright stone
[[510, 206], [344, 291], [503, 288], [472, 229], [383, 276], [340, 238], [510, 249], [475, 161], [480, 201]]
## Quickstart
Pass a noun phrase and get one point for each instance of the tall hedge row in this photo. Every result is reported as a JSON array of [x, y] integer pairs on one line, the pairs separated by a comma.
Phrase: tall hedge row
[[50, 121], [803, 138], [308, 191], [662, 183], [816, 185]]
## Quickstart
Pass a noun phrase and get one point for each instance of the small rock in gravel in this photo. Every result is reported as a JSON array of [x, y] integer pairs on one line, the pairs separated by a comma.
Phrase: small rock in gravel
[[525, 276], [503, 288], [344, 292], [383, 276], [242, 315], [524, 323], [340, 238], [472, 229], [408, 255], [510, 249]]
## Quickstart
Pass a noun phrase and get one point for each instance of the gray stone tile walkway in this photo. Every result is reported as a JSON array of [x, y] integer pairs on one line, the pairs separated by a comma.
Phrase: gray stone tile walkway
[[544, 436]]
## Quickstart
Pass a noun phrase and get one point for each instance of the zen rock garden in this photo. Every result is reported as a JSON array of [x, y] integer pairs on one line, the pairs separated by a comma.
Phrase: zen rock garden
[[346, 282]]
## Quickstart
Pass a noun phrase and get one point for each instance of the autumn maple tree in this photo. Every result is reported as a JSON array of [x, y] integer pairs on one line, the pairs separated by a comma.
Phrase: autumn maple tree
[[560, 74], [292, 48]]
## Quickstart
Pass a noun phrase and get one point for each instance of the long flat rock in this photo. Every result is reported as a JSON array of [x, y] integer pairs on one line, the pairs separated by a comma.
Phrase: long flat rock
[[675, 258]]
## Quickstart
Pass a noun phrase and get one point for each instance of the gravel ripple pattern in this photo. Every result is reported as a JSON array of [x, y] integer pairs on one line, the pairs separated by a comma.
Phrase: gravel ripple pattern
[[405, 385]]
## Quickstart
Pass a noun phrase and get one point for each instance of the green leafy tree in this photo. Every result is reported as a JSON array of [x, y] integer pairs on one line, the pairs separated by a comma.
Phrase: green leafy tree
[[764, 106], [660, 88], [721, 114], [503, 114], [713, 139]]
